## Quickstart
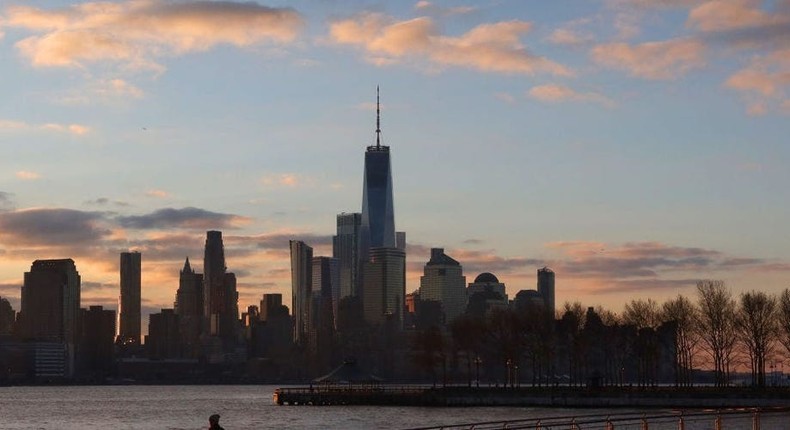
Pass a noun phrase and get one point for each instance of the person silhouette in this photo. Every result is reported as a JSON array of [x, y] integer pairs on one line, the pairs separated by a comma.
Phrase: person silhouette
[[213, 423]]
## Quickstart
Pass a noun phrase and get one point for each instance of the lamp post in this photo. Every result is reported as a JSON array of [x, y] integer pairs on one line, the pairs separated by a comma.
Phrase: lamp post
[[508, 363], [515, 377], [478, 361]]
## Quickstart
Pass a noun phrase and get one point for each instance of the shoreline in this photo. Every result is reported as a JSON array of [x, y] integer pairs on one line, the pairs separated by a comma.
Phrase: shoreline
[[565, 397]]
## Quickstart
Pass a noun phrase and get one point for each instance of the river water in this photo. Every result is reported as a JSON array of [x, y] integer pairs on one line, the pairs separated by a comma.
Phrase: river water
[[241, 407]]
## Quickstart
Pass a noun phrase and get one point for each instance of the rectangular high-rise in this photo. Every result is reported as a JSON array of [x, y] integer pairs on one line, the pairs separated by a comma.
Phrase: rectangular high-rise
[[50, 308], [385, 286], [301, 288], [189, 308], [344, 249], [129, 302], [443, 281], [546, 288], [220, 298], [325, 288], [270, 305]]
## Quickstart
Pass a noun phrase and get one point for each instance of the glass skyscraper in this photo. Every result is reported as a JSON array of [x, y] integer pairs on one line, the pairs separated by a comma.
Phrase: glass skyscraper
[[377, 229], [382, 267]]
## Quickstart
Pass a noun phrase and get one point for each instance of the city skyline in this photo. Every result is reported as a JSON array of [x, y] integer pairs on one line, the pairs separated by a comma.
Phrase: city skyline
[[629, 147]]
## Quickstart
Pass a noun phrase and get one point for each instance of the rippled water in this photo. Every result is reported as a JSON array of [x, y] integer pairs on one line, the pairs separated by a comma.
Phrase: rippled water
[[241, 407]]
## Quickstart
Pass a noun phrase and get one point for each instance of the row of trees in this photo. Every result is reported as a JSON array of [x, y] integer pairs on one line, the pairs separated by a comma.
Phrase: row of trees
[[720, 331], [715, 331]]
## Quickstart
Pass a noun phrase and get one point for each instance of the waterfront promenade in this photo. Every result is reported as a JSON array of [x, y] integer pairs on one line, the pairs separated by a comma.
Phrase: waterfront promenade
[[608, 397]]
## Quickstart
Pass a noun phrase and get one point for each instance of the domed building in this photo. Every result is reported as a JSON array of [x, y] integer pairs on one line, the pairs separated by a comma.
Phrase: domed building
[[487, 283]]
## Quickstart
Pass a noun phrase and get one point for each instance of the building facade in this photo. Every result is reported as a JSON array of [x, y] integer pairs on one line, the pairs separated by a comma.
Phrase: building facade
[[546, 288], [301, 288], [344, 249], [385, 286], [443, 281], [50, 308], [129, 302], [220, 299], [189, 308]]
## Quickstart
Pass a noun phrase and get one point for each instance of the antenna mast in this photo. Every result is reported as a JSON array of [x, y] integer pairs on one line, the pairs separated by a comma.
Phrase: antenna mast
[[378, 119]]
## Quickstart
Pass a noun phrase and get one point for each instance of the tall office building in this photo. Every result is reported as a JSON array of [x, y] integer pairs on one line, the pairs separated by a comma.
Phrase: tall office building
[[378, 212], [301, 288], [382, 264], [546, 288], [385, 286], [443, 281], [50, 308], [400, 240], [270, 305], [7, 317], [163, 340], [325, 288], [189, 308], [129, 301], [220, 299], [344, 249], [97, 341]]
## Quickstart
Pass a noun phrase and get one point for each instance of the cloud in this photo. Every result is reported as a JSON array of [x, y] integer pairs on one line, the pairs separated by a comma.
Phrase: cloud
[[27, 175], [104, 201], [436, 10], [553, 93], [652, 60], [10, 125], [136, 33], [642, 260], [765, 83], [189, 218], [655, 4], [18, 126], [290, 180], [728, 15], [51, 227], [118, 88], [487, 47], [569, 37], [6, 201], [159, 194]]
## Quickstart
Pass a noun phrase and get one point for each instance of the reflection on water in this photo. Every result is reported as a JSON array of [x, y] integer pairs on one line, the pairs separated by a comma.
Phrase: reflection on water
[[246, 407]]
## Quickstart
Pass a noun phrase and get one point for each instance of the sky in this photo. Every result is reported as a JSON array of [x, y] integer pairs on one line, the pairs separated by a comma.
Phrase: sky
[[633, 146]]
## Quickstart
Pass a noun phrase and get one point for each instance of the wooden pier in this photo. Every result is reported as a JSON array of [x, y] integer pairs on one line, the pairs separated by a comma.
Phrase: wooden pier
[[343, 395]]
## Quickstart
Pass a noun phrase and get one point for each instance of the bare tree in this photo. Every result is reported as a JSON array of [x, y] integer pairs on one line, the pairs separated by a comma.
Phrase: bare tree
[[784, 319], [686, 318], [717, 326], [758, 329], [642, 314]]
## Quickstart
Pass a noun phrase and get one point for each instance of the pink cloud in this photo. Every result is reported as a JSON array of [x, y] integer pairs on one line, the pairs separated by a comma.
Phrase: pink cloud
[[652, 60], [136, 32], [727, 15], [553, 93], [764, 83], [487, 47]]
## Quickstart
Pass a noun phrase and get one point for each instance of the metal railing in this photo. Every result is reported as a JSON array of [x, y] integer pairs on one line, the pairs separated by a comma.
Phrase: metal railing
[[725, 419]]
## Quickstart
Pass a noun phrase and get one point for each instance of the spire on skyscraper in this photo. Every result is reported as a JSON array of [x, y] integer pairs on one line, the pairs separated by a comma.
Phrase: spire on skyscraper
[[378, 119]]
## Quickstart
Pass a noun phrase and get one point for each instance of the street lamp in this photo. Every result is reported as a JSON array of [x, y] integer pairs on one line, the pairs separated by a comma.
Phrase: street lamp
[[517, 383], [509, 363], [477, 362]]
